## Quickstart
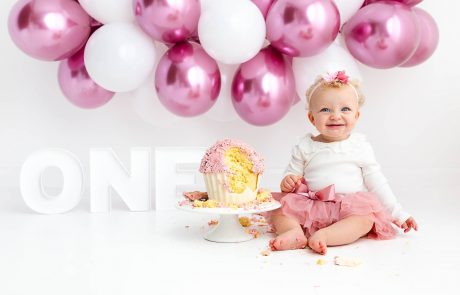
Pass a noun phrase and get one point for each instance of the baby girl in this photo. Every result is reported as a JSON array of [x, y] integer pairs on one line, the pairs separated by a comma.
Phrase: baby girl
[[333, 191]]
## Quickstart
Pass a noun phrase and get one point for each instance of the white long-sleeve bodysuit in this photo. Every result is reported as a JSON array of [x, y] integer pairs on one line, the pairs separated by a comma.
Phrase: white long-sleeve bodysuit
[[348, 164]]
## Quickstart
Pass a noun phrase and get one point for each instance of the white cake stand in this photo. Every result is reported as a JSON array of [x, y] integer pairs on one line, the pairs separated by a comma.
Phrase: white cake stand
[[229, 229]]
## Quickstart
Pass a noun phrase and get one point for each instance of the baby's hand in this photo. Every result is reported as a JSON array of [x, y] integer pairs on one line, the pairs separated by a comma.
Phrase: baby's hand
[[408, 224], [289, 183]]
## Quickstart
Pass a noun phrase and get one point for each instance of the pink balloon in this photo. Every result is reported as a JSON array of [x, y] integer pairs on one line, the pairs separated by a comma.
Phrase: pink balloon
[[263, 5], [187, 80], [95, 23], [407, 2], [383, 34], [263, 88], [302, 27], [49, 29], [428, 41], [167, 20], [296, 95], [78, 87]]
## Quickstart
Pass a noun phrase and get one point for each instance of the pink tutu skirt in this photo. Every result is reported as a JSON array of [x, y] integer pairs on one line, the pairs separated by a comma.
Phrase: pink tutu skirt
[[314, 213]]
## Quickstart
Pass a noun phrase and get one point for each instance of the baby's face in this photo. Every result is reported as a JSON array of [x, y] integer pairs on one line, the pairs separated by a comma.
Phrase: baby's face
[[334, 112]]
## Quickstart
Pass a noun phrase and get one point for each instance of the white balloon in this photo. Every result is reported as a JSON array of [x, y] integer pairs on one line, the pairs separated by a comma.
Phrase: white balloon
[[223, 110], [347, 8], [334, 58], [119, 56], [231, 31], [205, 4], [106, 11]]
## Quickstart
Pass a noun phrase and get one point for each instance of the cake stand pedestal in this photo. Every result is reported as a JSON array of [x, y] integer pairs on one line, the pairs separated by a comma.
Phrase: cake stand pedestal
[[229, 229]]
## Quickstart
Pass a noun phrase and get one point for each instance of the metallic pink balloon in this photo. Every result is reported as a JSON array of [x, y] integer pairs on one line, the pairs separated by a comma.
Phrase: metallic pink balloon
[[302, 27], [263, 5], [428, 40], [263, 88], [169, 21], [407, 2], [95, 23], [296, 95], [383, 34], [78, 87], [49, 29], [187, 80]]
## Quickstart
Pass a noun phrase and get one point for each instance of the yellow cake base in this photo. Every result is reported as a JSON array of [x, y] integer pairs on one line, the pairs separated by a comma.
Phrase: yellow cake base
[[215, 186]]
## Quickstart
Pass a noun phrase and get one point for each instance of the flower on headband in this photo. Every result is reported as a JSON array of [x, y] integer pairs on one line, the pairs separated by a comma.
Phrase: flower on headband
[[338, 76]]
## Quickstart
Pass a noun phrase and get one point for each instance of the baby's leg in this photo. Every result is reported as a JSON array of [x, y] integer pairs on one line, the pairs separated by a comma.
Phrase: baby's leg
[[290, 233], [342, 232]]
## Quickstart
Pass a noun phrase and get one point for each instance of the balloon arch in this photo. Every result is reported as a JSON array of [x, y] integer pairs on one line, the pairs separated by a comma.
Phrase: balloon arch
[[109, 46]]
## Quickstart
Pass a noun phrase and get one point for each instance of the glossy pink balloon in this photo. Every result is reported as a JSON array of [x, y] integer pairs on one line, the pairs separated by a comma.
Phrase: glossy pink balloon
[[263, 5], [78, 87], [428, 40], [49, 29], [407, 2], [187, 80], [296, 95], [302, 27], [383, 34], [263, 88], [169, 21]]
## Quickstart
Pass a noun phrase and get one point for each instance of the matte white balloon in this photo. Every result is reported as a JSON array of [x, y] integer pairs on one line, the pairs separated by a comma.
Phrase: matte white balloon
[[334, 58], [233, 31], [347, 8], [107, 11], [119, 56]]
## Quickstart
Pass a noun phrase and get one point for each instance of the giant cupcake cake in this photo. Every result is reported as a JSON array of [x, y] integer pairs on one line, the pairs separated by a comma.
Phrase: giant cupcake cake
[[231, 171]]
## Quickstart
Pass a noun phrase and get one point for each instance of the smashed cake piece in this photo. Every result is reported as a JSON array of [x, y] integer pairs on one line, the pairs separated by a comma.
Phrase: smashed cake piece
[[265, 252], [198, 204], [344, 261], [263, 195], [196, 195], [205, 204], [321, 262], [254, 232], [213, 222], [210, 204], [244, 221]]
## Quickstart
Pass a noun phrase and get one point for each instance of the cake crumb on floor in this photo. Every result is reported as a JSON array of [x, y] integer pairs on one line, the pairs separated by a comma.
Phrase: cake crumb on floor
[[265, 252], [213, 222], [321, 262], [344, 261]]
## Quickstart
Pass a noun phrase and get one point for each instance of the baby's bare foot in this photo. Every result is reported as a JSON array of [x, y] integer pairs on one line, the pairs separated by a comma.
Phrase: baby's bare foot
[[290, 240], [318, 242]]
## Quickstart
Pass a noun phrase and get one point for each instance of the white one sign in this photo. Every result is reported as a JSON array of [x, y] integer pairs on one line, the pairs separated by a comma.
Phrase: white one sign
[[176, 171]]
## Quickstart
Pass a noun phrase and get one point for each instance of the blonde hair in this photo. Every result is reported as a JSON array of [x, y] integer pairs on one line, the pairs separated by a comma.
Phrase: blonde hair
[[322, 83]]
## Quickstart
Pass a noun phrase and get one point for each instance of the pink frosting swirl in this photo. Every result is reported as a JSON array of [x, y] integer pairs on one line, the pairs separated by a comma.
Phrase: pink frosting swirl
[[213, 160]]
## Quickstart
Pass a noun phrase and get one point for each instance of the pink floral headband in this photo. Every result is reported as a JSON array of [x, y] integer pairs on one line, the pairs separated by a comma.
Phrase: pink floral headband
[[338, 76], [332, 78]]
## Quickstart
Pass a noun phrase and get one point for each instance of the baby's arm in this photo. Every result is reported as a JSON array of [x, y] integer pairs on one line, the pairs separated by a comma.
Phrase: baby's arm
[[376, 182], [294, 171]]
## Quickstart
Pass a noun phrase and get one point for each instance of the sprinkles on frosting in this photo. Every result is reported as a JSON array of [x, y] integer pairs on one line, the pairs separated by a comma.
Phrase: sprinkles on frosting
[[213, 160]]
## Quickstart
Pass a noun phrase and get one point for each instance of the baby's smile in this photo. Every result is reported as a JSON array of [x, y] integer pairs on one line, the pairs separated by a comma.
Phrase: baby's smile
[[334, 125]]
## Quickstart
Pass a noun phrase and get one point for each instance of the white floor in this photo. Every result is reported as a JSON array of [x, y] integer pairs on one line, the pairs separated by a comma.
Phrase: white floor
[[157, 253]]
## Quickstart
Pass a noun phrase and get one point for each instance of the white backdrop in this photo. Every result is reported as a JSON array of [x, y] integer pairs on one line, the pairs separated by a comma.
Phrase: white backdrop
[[411, 116]]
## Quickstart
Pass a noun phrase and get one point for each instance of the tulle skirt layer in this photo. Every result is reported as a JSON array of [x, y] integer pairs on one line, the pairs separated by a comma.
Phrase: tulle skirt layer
[[313, 215]]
